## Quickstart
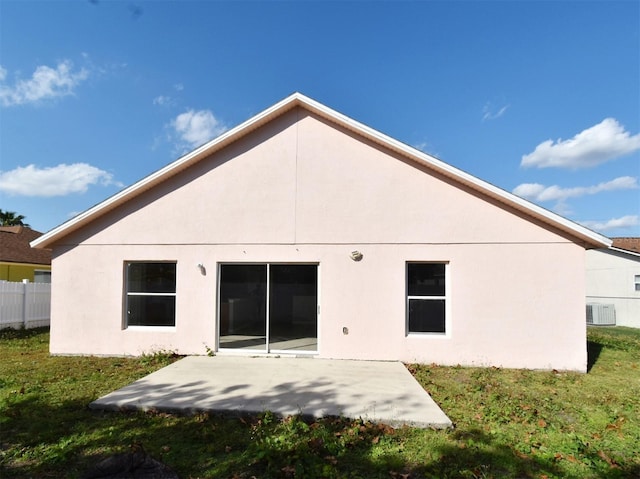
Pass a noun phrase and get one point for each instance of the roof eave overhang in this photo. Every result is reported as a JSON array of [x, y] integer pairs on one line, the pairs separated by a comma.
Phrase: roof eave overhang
[[585, 236], [624, 251]]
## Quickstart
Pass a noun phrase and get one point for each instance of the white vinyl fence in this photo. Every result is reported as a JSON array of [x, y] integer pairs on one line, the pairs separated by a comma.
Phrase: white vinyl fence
[[24, 305]]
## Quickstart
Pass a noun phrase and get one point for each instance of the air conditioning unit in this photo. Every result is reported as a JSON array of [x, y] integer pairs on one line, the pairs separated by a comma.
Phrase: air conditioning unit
[[601, 314]]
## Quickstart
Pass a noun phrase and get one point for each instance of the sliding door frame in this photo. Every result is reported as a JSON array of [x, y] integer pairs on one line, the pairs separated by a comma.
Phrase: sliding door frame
[[268, 327]]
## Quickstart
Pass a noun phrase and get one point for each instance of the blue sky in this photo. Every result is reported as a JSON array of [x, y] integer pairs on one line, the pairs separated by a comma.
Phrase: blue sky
[[540, 98]]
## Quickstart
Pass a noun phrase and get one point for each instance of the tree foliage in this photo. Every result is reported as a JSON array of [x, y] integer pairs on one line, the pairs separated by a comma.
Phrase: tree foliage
[[11, 218]]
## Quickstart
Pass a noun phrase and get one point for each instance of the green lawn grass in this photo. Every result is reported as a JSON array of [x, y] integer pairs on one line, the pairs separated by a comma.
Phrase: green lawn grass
[[508, 423]]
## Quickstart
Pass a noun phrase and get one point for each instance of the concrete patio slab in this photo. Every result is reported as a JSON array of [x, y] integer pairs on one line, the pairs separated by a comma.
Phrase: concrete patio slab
[[377, 391]]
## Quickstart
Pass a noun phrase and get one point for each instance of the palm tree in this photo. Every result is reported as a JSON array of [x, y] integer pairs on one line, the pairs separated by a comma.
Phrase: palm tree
[[10, 218]]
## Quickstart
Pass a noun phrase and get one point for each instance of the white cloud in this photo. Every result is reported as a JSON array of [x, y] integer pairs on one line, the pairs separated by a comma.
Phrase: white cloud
[[538, 192], [614, 223], [45, 83], [600, 143], [489, 113], [197, 127], [163, 100], [58, 180], [529, 191]]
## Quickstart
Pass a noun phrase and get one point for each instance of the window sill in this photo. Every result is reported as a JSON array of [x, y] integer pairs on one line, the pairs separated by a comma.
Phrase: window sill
[[428, 335]]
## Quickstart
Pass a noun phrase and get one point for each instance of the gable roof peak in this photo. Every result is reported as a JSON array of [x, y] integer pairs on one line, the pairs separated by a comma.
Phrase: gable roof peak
[[583, 235]]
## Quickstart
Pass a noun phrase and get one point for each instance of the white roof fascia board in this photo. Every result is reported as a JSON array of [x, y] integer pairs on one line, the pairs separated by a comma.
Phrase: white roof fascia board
[[460, 175], [156, 176], [299, 99]]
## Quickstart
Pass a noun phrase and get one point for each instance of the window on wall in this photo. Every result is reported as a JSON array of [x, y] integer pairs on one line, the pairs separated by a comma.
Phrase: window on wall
[[41, 276], [637, 282], [150, 294], [426, 298]]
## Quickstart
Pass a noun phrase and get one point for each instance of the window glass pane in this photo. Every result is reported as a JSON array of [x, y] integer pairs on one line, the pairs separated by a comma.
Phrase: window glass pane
[[243, 304], [426, 316], [42, 276], [637, 281], [425, 279], [293, 302], [151, 277], [151, 310]]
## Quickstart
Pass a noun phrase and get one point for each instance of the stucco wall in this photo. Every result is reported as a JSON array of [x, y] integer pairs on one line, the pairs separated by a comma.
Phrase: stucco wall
[[300, 190], [610, 280]]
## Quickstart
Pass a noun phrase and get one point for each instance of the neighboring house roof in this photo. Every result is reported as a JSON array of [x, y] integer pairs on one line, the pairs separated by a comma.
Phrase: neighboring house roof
[[629, 244], [15, 248], [580, 234]]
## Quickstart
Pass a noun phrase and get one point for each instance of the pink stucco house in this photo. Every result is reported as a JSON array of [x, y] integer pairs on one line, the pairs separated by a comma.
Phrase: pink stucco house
[[304, 232]]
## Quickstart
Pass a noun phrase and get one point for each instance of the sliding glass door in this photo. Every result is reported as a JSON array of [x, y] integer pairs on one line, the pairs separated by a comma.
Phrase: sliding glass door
[[243, 305], [269, 307]]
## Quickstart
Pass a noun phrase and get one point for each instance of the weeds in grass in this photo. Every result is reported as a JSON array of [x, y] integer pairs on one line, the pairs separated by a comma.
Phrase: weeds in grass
[[508, 423], [158, 358]]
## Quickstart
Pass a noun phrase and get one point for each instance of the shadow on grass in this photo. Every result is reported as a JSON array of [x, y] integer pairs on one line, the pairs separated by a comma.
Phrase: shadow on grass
[[593, 353], [46, 436], [477, 453], [40, 440], [12, 333]]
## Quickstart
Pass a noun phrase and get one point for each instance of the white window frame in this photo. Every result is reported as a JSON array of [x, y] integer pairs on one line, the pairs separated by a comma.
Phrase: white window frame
[[127, 294], [636, 282], [446, 297]]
